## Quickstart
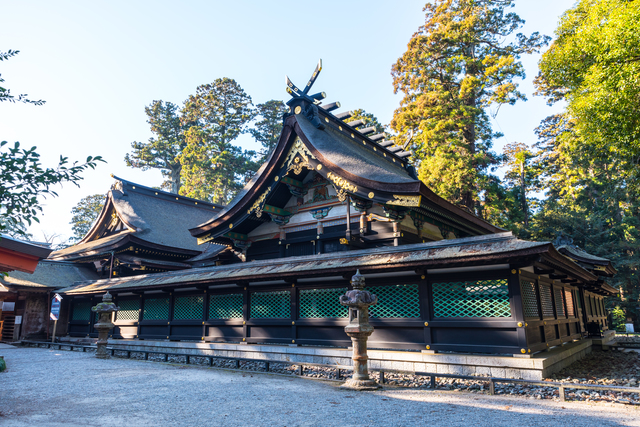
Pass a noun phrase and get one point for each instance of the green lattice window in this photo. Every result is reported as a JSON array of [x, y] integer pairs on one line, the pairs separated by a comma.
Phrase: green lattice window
[[568, 297], [156, 309], [481, 298], [546, 301], [271, 305], [225, 306], [129, 309], [529, 300], [397, 301], [81, 311], [190, 307], [557, 292], [321, 303]]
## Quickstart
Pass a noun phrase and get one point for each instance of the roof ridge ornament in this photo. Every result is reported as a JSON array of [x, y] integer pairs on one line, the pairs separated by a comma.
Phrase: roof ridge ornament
[[302, 102]]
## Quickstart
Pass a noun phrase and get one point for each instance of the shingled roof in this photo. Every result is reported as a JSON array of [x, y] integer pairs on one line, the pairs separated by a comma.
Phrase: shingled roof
[[353, 163], [143, 215], [48, 275], [498, 249]]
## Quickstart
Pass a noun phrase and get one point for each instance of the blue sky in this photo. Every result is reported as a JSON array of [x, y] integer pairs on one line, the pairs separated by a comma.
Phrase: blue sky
[[98, 64]]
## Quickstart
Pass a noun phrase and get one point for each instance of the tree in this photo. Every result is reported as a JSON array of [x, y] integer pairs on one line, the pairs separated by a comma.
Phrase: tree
[[84, 214], [213, 168], [456, 67], [5, 94], [592, 147], [24, 180], [593, 66], [518, 175], [267, 130], [162, 152]]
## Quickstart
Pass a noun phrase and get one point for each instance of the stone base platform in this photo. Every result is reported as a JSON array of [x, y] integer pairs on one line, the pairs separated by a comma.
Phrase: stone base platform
[[535, 367]]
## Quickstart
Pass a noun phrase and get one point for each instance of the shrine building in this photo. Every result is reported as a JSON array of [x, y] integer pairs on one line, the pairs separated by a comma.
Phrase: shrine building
[[333, 197]]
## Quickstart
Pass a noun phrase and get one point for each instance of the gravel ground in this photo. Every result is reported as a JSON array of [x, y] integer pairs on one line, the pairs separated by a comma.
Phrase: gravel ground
[[52, 387]]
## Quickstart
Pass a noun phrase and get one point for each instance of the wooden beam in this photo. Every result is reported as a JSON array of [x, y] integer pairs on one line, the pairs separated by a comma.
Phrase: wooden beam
[[558, 276], [537, 270]]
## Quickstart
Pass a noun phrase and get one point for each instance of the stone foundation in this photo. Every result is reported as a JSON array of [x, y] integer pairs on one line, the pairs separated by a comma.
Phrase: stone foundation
[[535, 367]]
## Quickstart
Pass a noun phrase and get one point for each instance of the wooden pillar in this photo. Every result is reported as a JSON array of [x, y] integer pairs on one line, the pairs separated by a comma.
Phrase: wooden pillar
[[246, 302], [205, 313], [140, 315], [424, 290], [517, 310], [294, 312]]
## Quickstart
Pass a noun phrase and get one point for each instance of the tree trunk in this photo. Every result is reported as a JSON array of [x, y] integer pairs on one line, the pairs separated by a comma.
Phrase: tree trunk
[[175, 178], [524, 196]]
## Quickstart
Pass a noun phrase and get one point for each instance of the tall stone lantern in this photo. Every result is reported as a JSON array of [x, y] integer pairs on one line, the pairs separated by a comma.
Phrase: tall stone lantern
[[104, 310], [358, 300]]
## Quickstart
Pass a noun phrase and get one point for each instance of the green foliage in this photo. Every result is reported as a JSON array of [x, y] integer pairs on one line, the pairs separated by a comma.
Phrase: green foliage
[[593, 66], [618, 319], [164, 151], [588, 158], [5, 94], [213, 168], [24, 180], [3, 365], [456, 67], [267, 130], [84, 214]]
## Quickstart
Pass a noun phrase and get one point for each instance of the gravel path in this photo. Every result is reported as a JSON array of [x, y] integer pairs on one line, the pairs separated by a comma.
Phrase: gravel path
[[51, 388]]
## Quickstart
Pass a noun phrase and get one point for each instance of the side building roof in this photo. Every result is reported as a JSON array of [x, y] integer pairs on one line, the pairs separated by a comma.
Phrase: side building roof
[[142, 215], [48, 275], [499, 249]]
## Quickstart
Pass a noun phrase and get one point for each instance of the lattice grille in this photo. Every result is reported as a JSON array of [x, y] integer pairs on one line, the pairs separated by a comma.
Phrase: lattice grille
[[129, 309], [156, 309], [568, 296], [546, 301], [481, 298], [271, 305], [225, 306], [321, 303], [557, 292], [398, 301], [81, 311], [188, 307], [529, 299]]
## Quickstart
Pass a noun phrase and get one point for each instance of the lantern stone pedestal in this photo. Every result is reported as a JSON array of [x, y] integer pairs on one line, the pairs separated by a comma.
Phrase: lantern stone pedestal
[[358, 300], [104, 310]]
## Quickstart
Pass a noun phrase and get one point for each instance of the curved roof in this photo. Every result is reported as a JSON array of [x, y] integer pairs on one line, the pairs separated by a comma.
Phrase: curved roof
[[348, 159], [152, 216]]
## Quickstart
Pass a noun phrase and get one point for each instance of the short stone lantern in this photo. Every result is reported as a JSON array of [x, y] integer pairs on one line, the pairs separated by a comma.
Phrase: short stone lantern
[[358, 300], [104, 324]]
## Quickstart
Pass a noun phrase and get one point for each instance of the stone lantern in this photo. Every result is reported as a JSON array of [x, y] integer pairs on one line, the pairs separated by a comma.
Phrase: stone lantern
[[104, 310], [358, 300]]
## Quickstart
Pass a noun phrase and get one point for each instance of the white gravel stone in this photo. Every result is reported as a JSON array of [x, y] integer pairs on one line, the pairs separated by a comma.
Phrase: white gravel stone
[[55, 388]]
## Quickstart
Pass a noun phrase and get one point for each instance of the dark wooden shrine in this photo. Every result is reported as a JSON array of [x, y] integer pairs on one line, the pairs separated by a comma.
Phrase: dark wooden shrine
[[333, 198], [141, 230]]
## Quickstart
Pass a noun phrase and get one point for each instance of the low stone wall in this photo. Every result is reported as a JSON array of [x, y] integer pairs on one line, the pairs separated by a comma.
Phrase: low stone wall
[[535, 367]]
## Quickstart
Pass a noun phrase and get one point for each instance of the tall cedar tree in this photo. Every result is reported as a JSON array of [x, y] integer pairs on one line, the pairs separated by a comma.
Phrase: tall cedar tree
[[163, 151], [213, 168], [458, 65], [84, 214], [269, 126]]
